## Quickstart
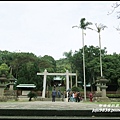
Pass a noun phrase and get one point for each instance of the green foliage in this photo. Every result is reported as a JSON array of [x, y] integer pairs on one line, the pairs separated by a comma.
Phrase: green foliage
[[62, 89], [48, 63], [62, 65], [25, 66], [31, 95], [112, 67], [119, 82], [83, 24], [74, 88], [4, 69]]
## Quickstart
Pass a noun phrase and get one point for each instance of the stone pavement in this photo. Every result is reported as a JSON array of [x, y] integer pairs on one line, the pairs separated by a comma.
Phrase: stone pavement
[[58, 108], [49, 105]]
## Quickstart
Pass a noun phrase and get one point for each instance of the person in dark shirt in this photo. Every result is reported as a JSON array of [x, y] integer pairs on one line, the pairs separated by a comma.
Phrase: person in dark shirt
[[78, 97], [59, 94], [54, 93]]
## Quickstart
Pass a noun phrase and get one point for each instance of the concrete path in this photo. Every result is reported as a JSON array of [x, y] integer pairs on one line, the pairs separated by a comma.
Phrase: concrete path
[[49, 105], [58, 105], [58, 108]]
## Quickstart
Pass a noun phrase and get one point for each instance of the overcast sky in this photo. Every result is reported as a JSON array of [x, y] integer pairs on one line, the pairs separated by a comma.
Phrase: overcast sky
[[45, 28]]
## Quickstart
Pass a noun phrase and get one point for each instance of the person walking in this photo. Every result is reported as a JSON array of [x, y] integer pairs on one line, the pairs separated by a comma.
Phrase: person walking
[[78, 97], [69, 96], [75, 96], [59, 94], [62, 96], [91, 96], [54, 93]]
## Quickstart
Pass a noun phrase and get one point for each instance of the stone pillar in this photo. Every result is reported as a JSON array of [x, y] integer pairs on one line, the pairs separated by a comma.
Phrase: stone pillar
[[67, 81], [98, 91], [76, 81], [71, 81], [104, 90], [44, 84], [11, 87], [2, 87]]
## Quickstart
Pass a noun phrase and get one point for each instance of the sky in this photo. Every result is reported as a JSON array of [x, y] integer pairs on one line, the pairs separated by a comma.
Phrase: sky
[[45, 27]]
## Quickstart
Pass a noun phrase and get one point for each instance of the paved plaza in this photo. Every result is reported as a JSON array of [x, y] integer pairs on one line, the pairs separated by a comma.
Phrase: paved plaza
[[57, 110], [57, 105], [49, 105]]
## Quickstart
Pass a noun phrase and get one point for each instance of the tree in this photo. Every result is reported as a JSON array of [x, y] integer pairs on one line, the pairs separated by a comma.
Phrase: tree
[[115, 6], [118, 89], [48, 62], [69, 58], [112, 68], [92, 64], [31, 95], [4, 69], [68, 55], [99, 28], [83, 25]]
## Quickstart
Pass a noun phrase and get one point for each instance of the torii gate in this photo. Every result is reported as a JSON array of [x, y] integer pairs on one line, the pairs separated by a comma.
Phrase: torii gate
[[45, 73]]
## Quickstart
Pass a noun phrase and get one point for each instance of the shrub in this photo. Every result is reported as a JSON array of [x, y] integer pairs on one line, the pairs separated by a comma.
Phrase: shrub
[[74, 88], [31, 95]]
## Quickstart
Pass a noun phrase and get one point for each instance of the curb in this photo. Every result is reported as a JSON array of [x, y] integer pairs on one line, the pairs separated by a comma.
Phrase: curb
[[45, 112]]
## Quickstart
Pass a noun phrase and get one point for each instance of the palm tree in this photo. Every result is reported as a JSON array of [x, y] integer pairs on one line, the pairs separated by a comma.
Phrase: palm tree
[[83, 25], [68, 55], [99, 28]]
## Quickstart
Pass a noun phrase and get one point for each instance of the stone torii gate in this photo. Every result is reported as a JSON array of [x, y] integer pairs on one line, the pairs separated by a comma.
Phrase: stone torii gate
[[45, 73]]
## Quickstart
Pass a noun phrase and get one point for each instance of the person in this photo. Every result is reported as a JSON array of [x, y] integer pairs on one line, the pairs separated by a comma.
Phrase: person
[[91, 96], [59, 94], [81, 97], [54, 93], [62, 96], [69, 96], [75, 96], [78, 97], [54, 86]]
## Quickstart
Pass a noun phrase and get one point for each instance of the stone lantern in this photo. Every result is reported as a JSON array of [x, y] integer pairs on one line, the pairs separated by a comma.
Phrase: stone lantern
[[98, 92], [11, 83], [98, 85], [103, 87], [3, 82]]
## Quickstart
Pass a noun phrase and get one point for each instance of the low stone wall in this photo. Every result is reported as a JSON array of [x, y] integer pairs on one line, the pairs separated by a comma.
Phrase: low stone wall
[[3, 99], [114, 99], [7, 98]]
